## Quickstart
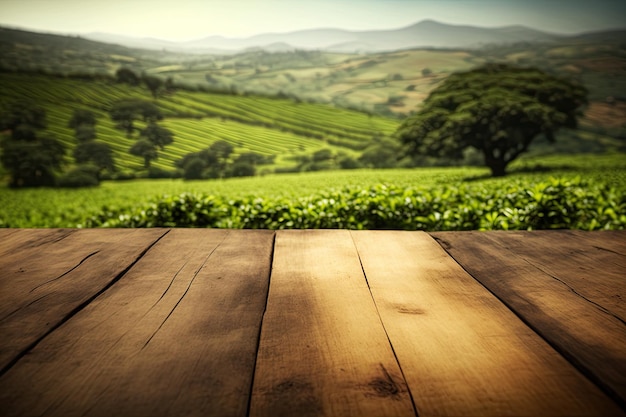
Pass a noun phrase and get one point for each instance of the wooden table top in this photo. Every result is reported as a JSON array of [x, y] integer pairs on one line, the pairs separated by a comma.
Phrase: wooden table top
[[186, 322]]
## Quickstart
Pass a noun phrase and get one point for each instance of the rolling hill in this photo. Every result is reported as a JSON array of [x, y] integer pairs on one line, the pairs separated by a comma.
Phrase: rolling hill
[[388, 83], [65, 73], [272, 127]]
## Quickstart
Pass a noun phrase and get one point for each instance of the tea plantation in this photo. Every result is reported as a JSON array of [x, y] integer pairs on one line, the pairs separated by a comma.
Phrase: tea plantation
[[583, 192]]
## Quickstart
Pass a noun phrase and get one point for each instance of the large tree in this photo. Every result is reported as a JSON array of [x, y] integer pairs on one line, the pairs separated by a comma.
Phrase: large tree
[[497, 109]]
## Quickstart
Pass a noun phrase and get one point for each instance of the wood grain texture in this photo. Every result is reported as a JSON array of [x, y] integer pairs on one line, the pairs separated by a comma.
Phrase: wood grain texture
[[323, 350], [175, 336], [463, 353], [50, 273], [587, 263], [16, 240], [563, 286], [609, 240], [5, 233]]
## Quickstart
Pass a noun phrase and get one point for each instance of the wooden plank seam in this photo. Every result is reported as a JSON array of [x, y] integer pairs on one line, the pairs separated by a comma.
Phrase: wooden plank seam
[[191, 281], [570, 357], [572, 289], [587, 371], [382, 323], [258, 339]]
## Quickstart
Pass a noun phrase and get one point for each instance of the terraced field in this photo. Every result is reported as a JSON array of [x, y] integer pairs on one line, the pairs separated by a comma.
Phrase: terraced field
[[268, 126]]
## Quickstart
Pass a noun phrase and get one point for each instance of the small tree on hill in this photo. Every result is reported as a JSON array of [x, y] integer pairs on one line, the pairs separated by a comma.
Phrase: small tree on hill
[[125, 112], [216, 162], [158, 135], [194, 167], [154, 84], [92, 157], [23, 113], [84, 124], [146, 150], [97, 153], [29, 156], [127, 76], [82, 117], [497, 109], [85, 133]]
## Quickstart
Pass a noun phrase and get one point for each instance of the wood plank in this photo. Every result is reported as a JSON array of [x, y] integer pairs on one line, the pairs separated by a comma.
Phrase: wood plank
[[611, 240], [177, 335], [52, 273], [463, 353], [6, 232], [25, 239], [590, 267], [547, 293], [323, 350]]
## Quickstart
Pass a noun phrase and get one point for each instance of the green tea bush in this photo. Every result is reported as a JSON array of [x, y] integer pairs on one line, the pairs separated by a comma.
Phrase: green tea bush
[[518, 205]]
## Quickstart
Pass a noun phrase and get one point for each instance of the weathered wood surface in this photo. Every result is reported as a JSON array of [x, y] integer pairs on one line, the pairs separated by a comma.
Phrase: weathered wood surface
[[567, 286], [46, 275], [323, 349], [461, 350], [184, 322], [177, 335]]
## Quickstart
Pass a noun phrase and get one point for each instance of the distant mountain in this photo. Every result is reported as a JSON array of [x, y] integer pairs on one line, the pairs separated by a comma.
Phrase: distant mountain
[[427, 33], [154, 44]]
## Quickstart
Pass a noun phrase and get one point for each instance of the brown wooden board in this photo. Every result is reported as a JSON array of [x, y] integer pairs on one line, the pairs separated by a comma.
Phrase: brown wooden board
[[51, 273], [570, 295], [13, 241], [176, 335], [5, 233], [323, 350], [609, 240], [586, 263], [463, 353]]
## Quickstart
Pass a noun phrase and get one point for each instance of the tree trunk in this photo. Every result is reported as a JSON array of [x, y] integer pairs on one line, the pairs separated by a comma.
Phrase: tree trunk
[[498, 170], [495, 164]]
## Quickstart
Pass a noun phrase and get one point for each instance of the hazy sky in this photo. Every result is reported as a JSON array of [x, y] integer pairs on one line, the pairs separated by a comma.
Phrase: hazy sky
[[192, 19]]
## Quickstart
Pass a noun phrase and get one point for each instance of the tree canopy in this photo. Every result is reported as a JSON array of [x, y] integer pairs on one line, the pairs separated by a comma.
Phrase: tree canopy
[[81, 117], [216, 162], [97, 153], [23, 113], [125, 112], [127, 76], [146, 150], [158, 135], [29, 156], [497, 109], [153, 83]]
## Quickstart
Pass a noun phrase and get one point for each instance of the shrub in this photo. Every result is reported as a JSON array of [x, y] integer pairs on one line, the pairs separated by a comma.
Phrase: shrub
[[154, 172], [80, 176], [557, 203], [194, 168], [242, 169]]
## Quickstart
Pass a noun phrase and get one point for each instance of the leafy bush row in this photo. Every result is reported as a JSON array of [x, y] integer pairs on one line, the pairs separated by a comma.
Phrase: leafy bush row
[[556, 203]]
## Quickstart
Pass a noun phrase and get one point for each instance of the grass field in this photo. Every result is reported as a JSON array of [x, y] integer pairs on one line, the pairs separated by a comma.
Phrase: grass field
[[69, 208]]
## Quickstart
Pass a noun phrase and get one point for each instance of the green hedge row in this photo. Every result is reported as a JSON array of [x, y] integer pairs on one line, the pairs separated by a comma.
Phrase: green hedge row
[[517, 205]]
